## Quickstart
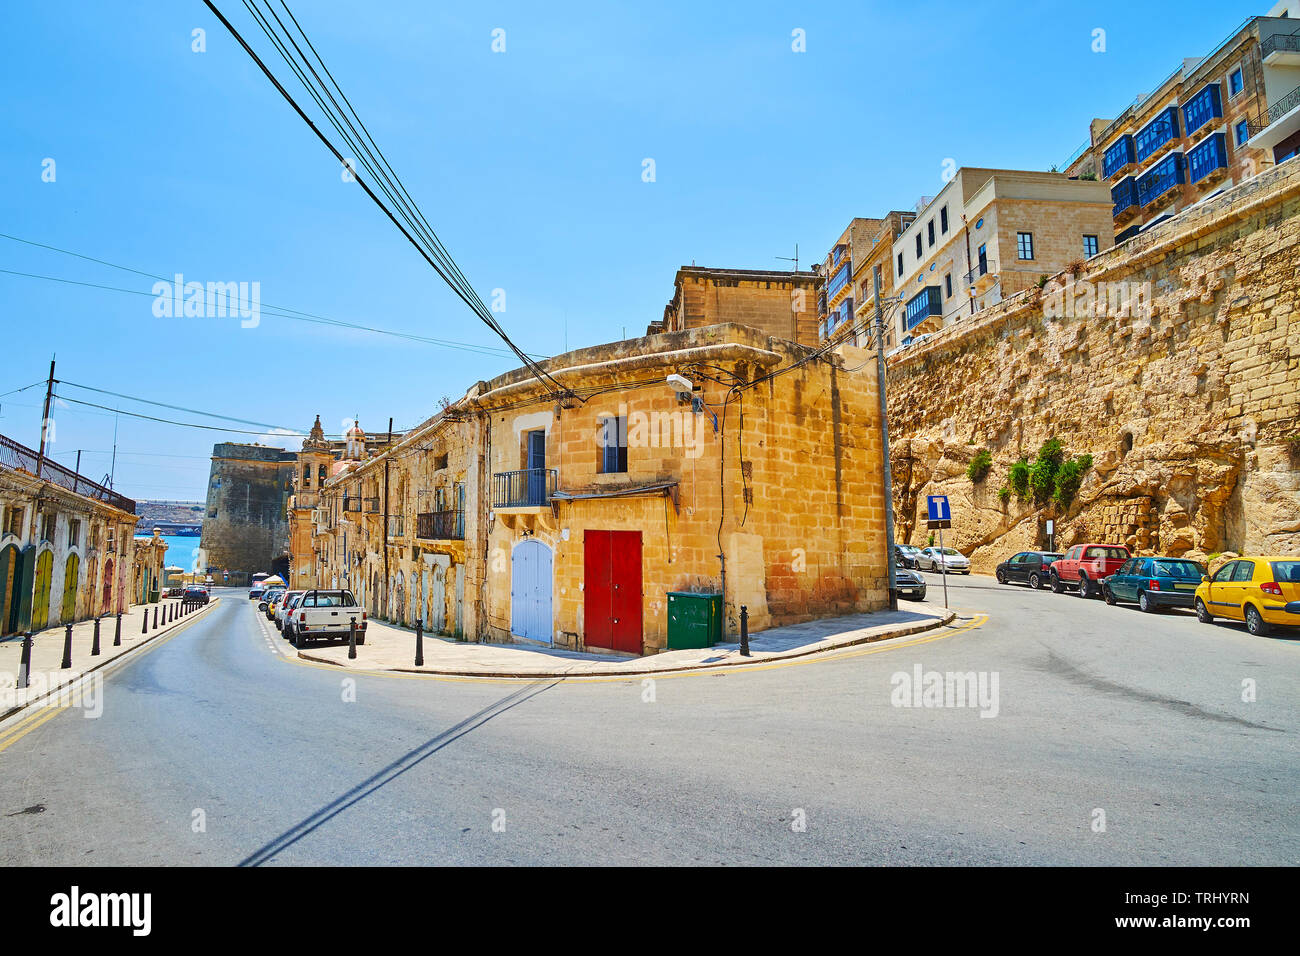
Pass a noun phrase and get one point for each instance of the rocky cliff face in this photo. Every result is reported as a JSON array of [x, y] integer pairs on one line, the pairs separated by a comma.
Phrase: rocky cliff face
[[1173, 361]]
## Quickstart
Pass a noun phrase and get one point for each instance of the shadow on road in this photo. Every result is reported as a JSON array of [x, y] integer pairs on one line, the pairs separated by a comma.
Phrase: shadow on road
[[394, 770]]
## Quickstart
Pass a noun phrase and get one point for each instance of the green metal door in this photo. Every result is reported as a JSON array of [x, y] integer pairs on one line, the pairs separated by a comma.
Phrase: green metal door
[[41, 593], [70, 573]]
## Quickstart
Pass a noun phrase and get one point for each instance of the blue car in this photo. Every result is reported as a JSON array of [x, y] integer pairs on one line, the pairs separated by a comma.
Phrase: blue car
[[1154, 583]]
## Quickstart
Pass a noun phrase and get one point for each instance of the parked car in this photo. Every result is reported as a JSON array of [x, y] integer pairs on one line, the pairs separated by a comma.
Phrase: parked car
[[287, 607], [256, 592], [1027, 567], [1085, 565], [282, 607], [1262, 591], [1154, 583], [327, 614], [909, 583], [174, 591], [948, 560], [905, 555], [195, 594], [270, 598]]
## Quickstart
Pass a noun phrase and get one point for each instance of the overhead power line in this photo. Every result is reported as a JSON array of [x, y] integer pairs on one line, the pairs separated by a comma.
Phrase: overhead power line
[[276, 311], [408, 218]]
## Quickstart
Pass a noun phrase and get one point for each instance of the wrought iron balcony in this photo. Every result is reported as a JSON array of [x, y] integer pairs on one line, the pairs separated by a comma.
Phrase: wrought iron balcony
[[1279, 43], [440, 525], [985, 267], [372, 506], [1283, 106], [21, 458], [527, 488]]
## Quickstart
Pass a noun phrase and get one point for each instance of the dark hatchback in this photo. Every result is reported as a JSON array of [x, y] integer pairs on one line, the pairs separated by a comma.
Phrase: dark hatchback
[[1027, 567], [909, 583], [195, 595], [1154, 583]]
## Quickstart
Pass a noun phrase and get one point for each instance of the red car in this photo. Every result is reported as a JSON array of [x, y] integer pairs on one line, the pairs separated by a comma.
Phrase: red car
[[1084, 566]]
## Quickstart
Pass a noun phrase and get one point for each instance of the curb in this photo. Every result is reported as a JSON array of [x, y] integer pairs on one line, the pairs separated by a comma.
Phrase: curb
[[947, 618], [180, 626]]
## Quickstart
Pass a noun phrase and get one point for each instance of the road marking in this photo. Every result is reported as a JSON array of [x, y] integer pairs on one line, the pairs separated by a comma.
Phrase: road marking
[[32, 725]]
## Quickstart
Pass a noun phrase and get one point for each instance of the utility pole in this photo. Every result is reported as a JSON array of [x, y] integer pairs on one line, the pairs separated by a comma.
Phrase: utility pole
[[45, 418], [387, 460], [888, 474]]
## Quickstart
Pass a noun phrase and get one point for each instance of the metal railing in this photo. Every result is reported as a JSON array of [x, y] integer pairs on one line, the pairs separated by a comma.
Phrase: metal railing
[[983, 267], [21, 458], [1287, 42], [528, 488], [440, 525], [372, 506], [1283, 106], [351, 504]]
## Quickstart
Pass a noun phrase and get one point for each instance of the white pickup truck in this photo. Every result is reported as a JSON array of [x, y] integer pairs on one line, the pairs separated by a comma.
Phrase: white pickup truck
[[327, 614]]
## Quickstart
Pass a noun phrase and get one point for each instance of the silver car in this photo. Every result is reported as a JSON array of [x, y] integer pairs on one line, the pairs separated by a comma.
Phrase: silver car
[[943, 559], [283, 603]]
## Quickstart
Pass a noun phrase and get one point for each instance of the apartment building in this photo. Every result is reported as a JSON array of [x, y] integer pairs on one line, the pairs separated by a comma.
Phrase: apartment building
[[780, 303], [859, 257], [1211, 123], [987, 235], [66, 546]]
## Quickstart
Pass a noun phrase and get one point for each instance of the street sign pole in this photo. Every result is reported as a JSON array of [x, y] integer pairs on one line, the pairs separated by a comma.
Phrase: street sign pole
[[943, 566]]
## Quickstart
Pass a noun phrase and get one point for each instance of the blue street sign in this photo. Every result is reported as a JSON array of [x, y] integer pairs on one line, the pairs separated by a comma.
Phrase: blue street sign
[[938, 507]]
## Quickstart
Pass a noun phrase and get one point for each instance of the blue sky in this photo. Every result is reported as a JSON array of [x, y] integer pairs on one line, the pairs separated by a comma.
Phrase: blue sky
[[527, 162]]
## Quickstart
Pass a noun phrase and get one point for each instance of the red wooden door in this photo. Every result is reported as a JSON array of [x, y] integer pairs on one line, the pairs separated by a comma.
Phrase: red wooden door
[[612, 589]]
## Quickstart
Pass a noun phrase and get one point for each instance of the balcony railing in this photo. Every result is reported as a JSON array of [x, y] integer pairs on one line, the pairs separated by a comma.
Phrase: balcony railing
[[1280, 42], [20, 457], [440, 525], [1283, 106], [982, 268], [372, 506], [528, 488]]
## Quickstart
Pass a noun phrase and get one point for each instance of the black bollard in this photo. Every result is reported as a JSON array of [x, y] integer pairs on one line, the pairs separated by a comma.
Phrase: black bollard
[[67, 647], [117, 631], [94, 644], [744, 631], [155, 617], [419, 642], [25, 664], [352, 640], [144, 628]]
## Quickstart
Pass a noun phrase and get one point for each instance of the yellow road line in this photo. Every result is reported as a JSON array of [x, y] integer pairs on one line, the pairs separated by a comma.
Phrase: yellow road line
[[25, 720], [32, 725], [943, 631]]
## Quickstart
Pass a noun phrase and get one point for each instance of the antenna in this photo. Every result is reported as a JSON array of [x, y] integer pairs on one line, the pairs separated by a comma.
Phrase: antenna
[[795, 260]]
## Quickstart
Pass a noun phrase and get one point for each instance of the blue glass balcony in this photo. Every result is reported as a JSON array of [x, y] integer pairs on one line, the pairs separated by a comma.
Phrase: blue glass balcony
[[1119, 155], [1124, 195], [1156, 134], [1161, 178], [1207, 157], [1201, 108], [838, 281], [927, 302]]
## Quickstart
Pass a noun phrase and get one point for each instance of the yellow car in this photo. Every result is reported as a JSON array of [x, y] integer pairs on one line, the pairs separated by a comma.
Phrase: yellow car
[[1262, 591]]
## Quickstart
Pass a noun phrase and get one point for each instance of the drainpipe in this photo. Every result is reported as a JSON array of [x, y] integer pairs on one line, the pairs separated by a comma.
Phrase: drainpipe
[[970, 266], [388, 457]]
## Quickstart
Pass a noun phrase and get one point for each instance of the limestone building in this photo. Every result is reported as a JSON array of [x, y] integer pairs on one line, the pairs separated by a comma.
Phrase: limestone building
[[859, 259], [66, 547], [1216, 120], [780, 303], [989, 234]]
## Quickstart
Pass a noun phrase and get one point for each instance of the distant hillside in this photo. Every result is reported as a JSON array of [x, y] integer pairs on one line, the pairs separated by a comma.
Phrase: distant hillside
[[176, 512]]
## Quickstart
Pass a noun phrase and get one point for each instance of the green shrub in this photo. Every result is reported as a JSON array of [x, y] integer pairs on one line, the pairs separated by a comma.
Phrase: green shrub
[[1018, 479], [929, 542], [979, 467], [1068, 479], [1004, 494]]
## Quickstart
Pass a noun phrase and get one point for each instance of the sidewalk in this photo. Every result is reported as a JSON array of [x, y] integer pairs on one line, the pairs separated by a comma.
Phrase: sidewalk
[[47, 651], [392, 648]]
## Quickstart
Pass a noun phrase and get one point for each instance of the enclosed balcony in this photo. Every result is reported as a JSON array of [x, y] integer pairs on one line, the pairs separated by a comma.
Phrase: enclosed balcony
[[1124, 195], [440, 525], [1119, 157], [1207, 161], [1158, 135], [1205, 106], [1162, 179], [926, 303]]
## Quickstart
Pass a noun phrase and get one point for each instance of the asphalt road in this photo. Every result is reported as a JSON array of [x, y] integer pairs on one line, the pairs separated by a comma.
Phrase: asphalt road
[[216, 748]]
